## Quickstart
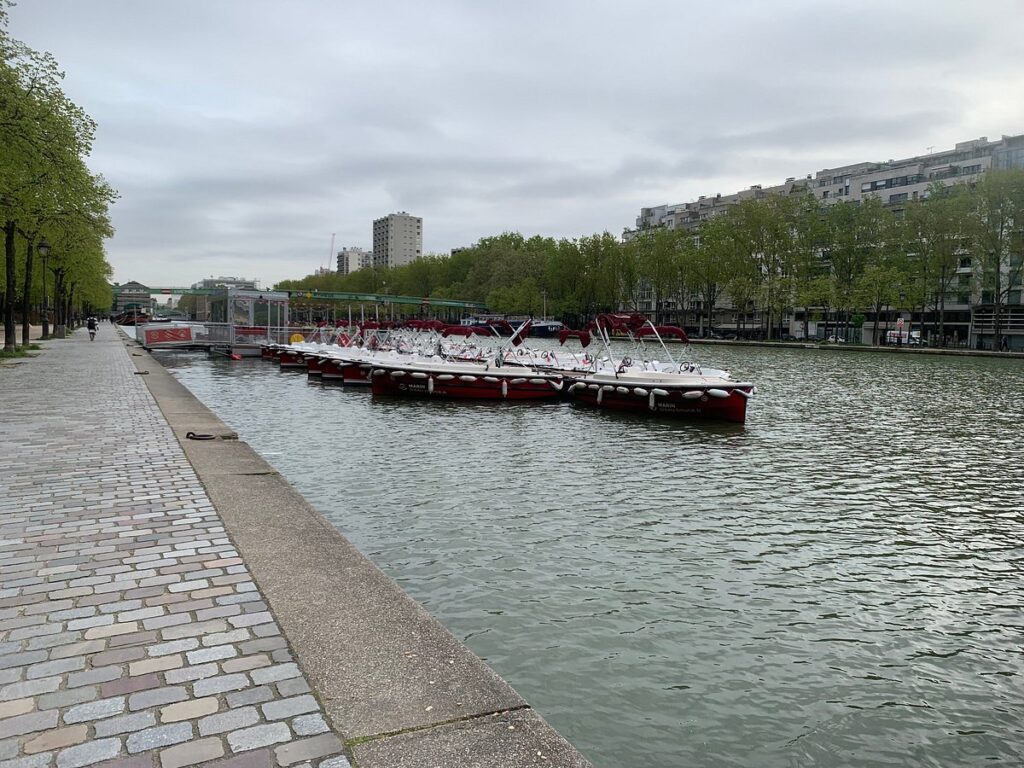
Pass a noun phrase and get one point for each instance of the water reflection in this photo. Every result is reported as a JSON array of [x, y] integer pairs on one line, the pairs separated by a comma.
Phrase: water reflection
[[838, 582]]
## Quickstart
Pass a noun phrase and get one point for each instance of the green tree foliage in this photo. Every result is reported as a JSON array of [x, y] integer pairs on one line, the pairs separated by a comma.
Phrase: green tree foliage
[[766, 256], [46, 190]]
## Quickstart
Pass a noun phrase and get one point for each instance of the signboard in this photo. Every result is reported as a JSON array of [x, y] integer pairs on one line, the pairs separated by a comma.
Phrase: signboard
[[899, 322], [167, 336]]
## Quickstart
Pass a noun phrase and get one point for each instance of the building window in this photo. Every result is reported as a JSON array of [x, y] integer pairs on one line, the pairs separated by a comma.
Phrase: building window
[[901, 197]]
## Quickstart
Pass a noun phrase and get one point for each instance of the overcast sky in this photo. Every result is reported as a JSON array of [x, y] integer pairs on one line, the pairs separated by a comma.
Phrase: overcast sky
[[242, 133]]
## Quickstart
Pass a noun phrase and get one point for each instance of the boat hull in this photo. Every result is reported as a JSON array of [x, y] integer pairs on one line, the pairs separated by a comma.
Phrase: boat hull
[[700, 403], [482, 386], [289, 359]]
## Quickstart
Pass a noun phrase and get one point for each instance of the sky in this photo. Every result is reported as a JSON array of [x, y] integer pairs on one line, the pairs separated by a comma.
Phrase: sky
[[241, 134]]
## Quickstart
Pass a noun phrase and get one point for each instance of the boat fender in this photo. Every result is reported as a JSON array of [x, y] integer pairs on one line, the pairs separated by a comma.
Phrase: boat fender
[[491, 379], [660, 392], [693, 394], [517, 381], [639, 391], [537, 381], [504, 388], [445, 377], [379, 372], [622, 390], [430, 385], [607, 388], [719, 393], [600, 396], [650, 401], [577, 385], [397, 374], [467, 379], [593, 386], [418, 375]]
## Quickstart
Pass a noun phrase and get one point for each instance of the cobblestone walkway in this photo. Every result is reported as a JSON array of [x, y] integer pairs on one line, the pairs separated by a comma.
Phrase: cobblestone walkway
[[131, 633]]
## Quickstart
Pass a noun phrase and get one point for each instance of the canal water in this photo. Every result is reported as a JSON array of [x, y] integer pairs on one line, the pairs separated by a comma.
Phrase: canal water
[[838, 582]]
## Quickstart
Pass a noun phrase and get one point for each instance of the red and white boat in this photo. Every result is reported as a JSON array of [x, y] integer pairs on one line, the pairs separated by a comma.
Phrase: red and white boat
[[464, 380], [651, 386], [465, 371]]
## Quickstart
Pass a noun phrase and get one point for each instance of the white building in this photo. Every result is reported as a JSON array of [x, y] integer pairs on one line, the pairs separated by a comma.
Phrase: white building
[[397, 240], [353, 259]]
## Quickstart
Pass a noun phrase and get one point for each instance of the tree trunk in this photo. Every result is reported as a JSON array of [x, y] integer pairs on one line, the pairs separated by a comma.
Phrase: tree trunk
[[10, 342], [874, 329], [26, 301]]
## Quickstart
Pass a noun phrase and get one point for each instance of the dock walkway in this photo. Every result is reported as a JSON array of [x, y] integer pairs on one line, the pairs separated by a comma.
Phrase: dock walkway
[[164, 605]]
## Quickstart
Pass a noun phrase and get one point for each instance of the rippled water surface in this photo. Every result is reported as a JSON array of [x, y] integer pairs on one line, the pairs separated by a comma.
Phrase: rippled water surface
[[838, 582]]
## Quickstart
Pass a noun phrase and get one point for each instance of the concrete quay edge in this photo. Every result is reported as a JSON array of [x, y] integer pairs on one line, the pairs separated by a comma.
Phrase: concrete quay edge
[[398, 687], [886, 349]]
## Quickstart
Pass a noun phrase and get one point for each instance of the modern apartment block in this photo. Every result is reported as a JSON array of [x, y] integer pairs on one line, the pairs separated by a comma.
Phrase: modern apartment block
[[968, 320], [353, 259], [894, 181], [397, 239]]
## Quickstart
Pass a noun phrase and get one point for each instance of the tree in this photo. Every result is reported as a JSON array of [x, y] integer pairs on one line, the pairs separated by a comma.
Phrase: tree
[[938, 230], [710, 262], [997, 245], [43, 140]]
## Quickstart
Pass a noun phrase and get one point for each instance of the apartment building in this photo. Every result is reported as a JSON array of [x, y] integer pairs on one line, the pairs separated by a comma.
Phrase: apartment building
[[397, 239], [895, 182], [353, 259]]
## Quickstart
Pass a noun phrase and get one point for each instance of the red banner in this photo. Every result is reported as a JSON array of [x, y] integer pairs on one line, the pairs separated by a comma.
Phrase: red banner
[[168, 335]]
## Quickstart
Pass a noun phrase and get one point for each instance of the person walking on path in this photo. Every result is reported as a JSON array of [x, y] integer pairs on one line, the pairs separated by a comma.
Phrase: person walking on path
[[91, 324]]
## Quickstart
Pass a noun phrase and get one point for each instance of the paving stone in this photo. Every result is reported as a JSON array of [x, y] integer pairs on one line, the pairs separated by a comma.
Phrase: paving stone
[[231, 720], [160, 736], [219, 638], [95, 710], [260, 758], [130, 685], [220, 684], [139, 761], [293, 687], [189, 710], [310, 725], [258, 736], [192, 753], [68, 698], [185, 674], [283, 708], [118, 656], [245, 663], [28, 723], [215, 653], [89, 753], [156, 697], [95, 633], [78, 649], [17, 707], [56, 739], [336, 762], [96, 675], [175, 646], [125, 723], [307, 749], [56, 667], [273, 674], [41, 760], [159, 664], [250, 696]]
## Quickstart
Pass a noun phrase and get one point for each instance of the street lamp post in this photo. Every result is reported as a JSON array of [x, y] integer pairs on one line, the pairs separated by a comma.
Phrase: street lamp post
[[44, 250]]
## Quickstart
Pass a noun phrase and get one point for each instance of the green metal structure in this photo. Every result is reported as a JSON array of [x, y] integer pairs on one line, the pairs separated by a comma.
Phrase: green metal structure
[[373, 298]]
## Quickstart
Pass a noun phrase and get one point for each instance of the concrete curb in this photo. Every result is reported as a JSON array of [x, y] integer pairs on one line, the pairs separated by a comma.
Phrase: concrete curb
[[396, 685]]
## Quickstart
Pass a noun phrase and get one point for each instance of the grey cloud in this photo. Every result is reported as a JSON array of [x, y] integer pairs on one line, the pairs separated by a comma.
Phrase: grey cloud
[[242, 133]]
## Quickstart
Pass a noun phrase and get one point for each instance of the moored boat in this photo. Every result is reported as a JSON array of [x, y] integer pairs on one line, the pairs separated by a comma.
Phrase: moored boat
[[652, 386]]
